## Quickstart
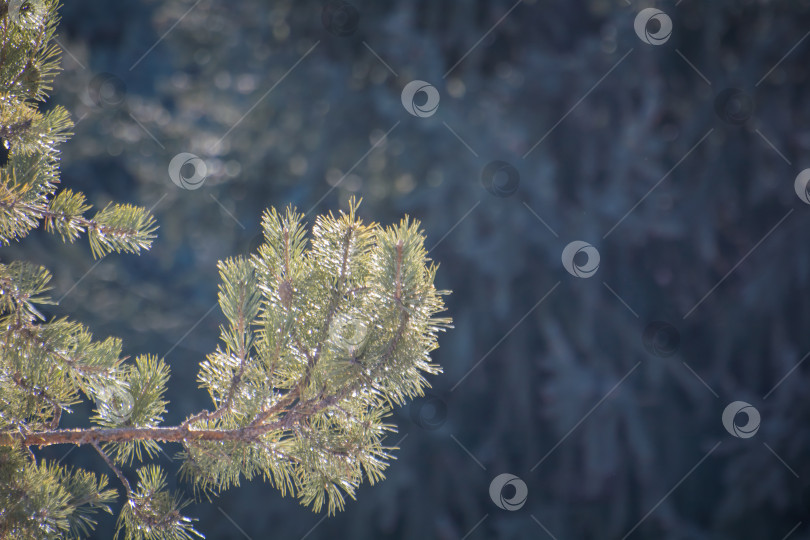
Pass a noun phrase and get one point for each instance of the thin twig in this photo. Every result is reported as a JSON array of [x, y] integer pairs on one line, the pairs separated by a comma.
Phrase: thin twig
[[115, 469]]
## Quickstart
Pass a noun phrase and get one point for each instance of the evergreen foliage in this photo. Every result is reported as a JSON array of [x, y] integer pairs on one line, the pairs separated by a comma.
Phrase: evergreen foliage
[[321, 343], [324, 336]]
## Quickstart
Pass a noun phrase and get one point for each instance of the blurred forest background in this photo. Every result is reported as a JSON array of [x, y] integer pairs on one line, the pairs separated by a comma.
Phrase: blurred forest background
[[547, 376]]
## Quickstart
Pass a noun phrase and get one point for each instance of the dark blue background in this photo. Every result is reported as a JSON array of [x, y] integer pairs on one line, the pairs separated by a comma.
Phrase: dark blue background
[[624, 434]]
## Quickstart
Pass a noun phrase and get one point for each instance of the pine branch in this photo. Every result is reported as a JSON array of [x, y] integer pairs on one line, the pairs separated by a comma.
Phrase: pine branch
[[297, 400], [326, 332], [119, 228]]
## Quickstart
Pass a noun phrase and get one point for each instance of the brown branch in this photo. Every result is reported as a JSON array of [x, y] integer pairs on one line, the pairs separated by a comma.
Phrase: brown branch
[[148, 518], [112, 435], [82, 224], [179, 434], [115, 469], [279, 407], [57, 416], [286, 253], [398, 293], [184, 434]]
